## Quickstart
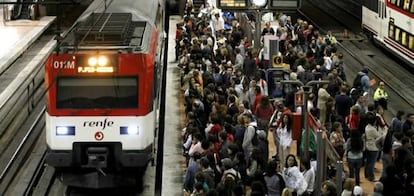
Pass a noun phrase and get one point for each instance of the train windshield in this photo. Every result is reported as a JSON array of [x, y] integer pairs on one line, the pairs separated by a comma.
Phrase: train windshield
[[97, 93]]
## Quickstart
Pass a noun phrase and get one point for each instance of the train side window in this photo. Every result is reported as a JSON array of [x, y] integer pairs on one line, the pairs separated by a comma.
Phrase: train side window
[[398, 3], [411, 42], [397, 34], [406, 5], [391, 32], [412, 7], [404, 38]]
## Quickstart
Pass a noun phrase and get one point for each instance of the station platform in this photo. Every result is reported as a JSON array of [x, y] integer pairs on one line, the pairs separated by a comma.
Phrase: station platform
[[16, 36], [366, 185]]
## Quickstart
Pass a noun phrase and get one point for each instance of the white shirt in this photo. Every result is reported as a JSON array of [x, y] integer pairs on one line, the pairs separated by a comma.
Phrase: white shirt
[[285, 136], [294, 179], [309, 176]]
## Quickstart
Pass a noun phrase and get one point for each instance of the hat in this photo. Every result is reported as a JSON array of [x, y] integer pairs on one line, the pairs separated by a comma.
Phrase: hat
[[364, 70], [227, 163], [358, 190]]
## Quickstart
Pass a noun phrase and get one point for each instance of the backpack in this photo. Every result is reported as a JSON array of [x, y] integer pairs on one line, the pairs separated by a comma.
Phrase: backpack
[[238, 182], [255, 139], [282, 182], [357, 81], [354, 93]]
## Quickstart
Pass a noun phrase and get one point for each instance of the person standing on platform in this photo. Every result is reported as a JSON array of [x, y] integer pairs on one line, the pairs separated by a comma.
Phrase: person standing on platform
[[273, 180], [378, 187], [343, 103], [328, 188], [371, 135], [337, 138], [396, 122], [365, 81], [408, 124], [218, 24], [268, 30], [280, 110], [249, 133], [263, 113], [309, 176], [348, 187], [284, 133], [354, 154], [294, 179], [323, 97], [381, 96]]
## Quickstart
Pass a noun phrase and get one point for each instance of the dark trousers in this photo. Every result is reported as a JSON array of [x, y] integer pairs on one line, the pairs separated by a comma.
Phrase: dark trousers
[[382, 102], [354, 167], [369, 165]]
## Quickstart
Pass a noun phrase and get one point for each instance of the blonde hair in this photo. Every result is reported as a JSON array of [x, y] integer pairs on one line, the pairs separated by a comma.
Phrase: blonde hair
[[349, 184]]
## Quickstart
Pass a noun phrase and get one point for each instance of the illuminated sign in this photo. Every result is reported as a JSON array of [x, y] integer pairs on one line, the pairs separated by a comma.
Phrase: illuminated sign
[[285, 4], [232, 4], [95, 69]]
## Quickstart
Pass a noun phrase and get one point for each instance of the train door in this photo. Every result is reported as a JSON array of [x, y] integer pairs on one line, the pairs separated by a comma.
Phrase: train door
[[383, 19], [370, 17]]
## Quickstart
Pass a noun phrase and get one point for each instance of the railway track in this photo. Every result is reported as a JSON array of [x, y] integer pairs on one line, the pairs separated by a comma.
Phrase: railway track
[[22, 108]]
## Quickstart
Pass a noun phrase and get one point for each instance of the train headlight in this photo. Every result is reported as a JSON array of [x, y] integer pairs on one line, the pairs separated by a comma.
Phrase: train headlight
[[92, 61], [131, 130], [65, 130], [102, 61]]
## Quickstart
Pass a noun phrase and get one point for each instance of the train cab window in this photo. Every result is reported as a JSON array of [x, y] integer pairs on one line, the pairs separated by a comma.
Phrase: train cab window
[[97, 93]]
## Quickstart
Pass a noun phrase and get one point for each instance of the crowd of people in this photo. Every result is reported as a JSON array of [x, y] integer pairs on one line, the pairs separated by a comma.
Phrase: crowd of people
[[229, 113]]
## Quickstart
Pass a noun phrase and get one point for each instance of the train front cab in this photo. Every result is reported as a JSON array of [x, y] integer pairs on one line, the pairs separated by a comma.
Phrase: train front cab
[[89, 135]]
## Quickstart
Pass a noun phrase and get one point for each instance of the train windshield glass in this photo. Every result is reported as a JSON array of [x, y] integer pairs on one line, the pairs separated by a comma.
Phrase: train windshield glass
[[97, 93]]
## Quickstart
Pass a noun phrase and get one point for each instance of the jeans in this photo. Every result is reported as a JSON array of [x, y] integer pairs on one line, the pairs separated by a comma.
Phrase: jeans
[[354, 167], [386, 161], [276, 139], [369, 165]]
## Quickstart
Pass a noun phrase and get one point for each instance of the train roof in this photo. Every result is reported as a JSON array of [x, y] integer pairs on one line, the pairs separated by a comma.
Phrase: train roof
[[116, 24], [141, 10]]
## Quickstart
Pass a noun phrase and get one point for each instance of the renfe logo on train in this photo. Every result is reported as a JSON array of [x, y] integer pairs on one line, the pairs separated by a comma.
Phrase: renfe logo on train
[[103, 124]]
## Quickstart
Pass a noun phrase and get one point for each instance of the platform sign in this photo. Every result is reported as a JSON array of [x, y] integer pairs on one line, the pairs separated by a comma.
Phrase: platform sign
[[232, 4], [277, 60], [285, 5], [298, 99]]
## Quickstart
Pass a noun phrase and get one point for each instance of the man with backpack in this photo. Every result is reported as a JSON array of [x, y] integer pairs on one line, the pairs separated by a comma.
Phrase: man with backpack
[[249, 135], [360, 85]]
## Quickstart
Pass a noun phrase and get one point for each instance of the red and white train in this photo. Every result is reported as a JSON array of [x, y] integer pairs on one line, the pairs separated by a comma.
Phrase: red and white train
[[103, 88], [391, 24]]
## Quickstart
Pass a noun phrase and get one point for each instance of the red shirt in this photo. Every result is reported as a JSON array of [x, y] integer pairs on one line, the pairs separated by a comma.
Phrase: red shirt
[[215, 130], [257, 101], [352, 120]]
